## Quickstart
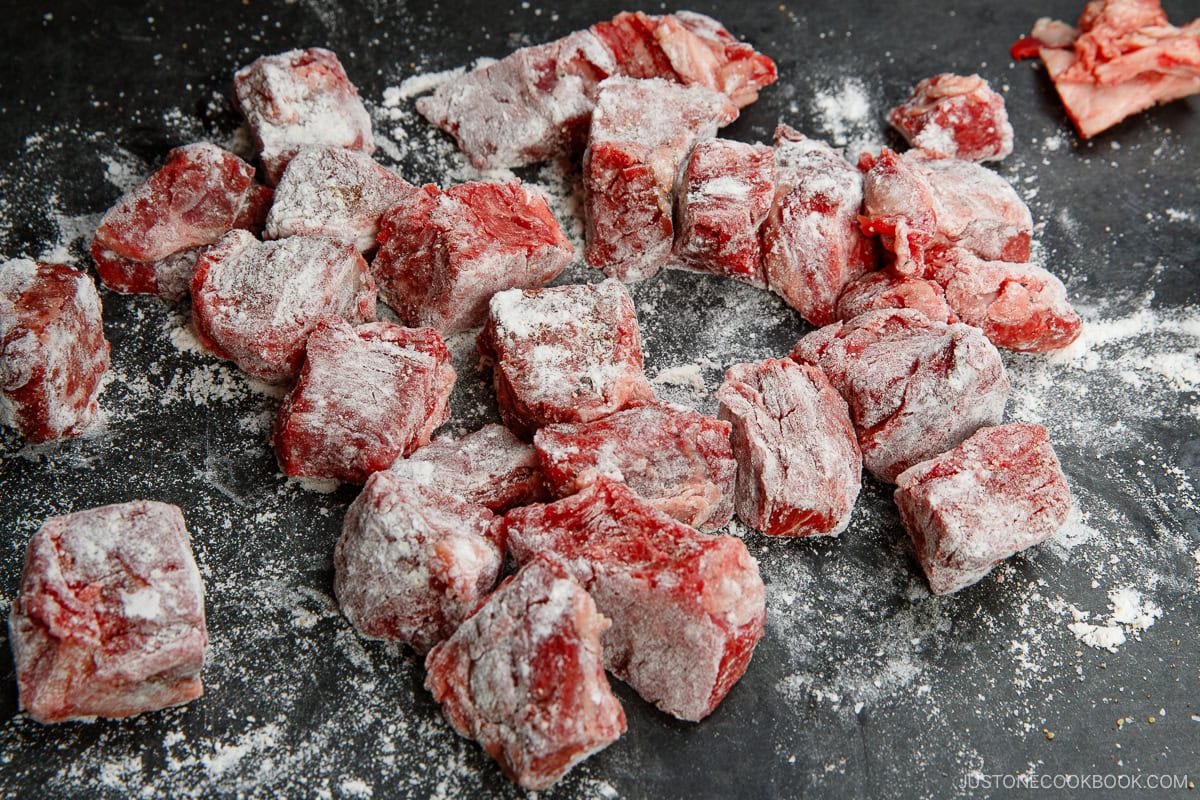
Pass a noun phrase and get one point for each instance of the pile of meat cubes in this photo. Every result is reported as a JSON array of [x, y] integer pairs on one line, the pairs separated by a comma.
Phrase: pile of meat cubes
[[601, 504]]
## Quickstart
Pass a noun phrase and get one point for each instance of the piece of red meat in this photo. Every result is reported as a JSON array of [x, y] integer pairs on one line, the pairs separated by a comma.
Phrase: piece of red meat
[[255, 303], [523, 676], [489, 467], [725, 193], [366, 396], [641, 131], [565, 354], [412, 562], [1018, 306], [148, 241], [918, 201], [812, 244], [53, 354], [799, 469], [687, 607], [298, 98], [537, 102], [109, 621], [674, 458], [887, 289], [915, 387], [331, 191], [959, 116], [997, 493], [443, 254], [1124, 57]]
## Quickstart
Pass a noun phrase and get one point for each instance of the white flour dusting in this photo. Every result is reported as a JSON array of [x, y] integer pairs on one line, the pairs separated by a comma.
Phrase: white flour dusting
[[846, 114]]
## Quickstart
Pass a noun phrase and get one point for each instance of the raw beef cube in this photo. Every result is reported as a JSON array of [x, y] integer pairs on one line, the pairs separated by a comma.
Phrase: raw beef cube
[[1018, 306], [330, 191], [798, 465], [641, 131], [524, 678], [490, 467], [687, 607], [886, 289], [566, 354], [725, 193], [915, 387], [109, 621], [255, 303], [147, 242], [674, 458], [967, 510], [53, 354], [812, 243], [1124, 57], [443, 254], [957, 116], [298, 98], [412, 562], [366, 396], [919, 200], [533, 105]]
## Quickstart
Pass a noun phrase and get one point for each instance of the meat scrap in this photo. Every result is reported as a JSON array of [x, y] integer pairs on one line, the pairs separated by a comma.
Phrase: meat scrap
[[149, 240], [298, 98], [687, 607], [566, 354], [366, 396], [490, 467], [255, 303], [53, 354], [443, 254], [674, 458], [1018, 306], [641, 131], [887, 289], [997, 493], [959, 116], [412, 562], [799, 469], [725, 193], [536, 103], [330, 191], [915, 387], [109, 621], [1123, 58], [919, 201], [523, 676]]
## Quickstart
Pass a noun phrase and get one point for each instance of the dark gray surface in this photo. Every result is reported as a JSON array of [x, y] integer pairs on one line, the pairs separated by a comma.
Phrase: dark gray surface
[[298, 706]]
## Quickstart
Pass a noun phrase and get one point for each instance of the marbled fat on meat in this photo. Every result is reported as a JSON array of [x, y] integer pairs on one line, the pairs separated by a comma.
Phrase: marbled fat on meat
[[298, 98], [812, 245], [443, 254], [687, 607], [523, 676], [674, 458], [959, 116], [641, 131], [999, 492], [109, 621], [489, 467], [255, 303], [366, 396], [726, 191], [565, 354], [915, 387], [53, 354], [412, 562], [331, 191], [148, 241], [799, 469]]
